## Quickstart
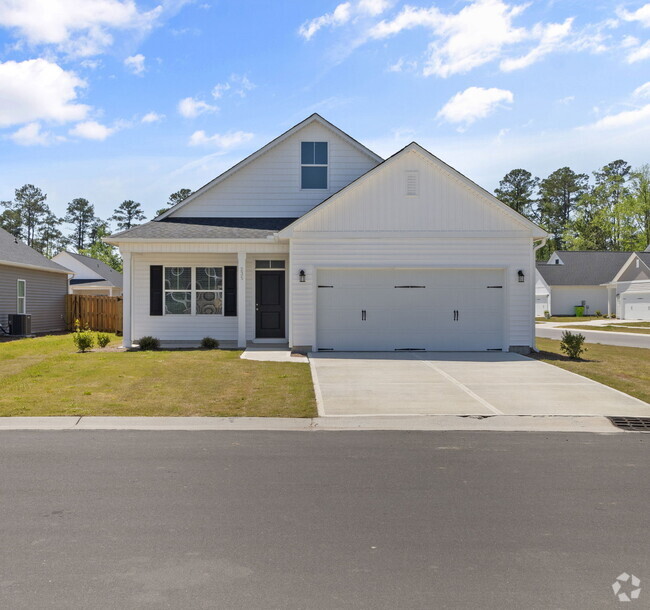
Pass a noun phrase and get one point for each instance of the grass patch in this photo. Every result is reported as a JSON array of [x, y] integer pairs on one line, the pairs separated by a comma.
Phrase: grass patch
[[568, 319], [625, 368], [46, 376], [612, 328]]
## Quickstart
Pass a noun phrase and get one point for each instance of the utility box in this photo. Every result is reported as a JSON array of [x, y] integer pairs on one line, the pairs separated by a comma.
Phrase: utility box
[[20, 324]]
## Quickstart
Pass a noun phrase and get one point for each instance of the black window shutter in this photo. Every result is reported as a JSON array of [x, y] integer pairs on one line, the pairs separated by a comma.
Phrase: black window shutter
[[155, 290], [230, 291]]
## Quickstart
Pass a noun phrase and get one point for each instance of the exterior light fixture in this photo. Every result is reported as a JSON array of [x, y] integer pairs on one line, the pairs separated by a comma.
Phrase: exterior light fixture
[[520, 276], [301, 275]]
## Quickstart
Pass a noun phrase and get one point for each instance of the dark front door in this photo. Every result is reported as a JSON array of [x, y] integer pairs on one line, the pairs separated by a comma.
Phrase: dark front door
[[269, 305]]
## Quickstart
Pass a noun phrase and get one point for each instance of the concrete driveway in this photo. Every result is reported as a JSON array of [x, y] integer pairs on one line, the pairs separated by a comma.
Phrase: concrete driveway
[[458, 383]]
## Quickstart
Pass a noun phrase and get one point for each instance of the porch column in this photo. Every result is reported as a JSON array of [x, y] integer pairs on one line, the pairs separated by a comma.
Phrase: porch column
[[126, 303], [241, 299], [611, 300]]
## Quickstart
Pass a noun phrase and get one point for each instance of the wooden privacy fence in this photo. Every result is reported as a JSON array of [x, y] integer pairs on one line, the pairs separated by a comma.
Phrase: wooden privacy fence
[[99, 313]]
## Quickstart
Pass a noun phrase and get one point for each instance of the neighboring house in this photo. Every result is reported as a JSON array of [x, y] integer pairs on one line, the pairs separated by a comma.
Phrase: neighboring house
[[317, 242], [609, 282], [31, 284], [542, 296], [91, 276]]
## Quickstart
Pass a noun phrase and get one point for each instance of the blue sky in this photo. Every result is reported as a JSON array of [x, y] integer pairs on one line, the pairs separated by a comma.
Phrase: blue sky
[[117, 99]]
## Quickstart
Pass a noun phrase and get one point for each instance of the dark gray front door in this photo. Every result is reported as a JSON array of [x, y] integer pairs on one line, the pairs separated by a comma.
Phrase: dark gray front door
[[269, 305]]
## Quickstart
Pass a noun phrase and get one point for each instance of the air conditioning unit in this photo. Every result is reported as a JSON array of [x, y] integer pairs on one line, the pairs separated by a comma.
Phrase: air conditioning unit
[[20, 324]]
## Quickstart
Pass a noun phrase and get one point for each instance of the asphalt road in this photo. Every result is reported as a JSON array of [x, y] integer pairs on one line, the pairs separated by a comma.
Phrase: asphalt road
[[321, 519], [595, 336]]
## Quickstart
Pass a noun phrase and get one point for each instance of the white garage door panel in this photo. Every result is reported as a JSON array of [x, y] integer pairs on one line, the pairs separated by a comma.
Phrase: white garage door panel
[[636, 306], [541, 305], [410, 309]]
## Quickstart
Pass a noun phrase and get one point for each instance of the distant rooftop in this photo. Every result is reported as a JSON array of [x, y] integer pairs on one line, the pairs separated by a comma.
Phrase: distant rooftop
[[15, 252]]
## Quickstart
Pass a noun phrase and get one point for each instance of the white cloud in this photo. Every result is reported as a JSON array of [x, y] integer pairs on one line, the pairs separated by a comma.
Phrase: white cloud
[[627, 118], [642, 15], [403, 66], [79, 28], [191, 108], [237, 83], [92, 130], [566, 100], [31, 135], [224, 141], [373, 7], [219, 90], [550, 37], [135, 64], [340, 15], [37, 89], [474, 103], [639, 53], [152, 117], [642, 91]]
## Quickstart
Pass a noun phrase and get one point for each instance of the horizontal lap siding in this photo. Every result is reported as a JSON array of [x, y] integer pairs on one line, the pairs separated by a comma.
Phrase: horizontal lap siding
[[270, 185], [45, 297], [565, 298], [633, 287], [512, 254], [177, 327]]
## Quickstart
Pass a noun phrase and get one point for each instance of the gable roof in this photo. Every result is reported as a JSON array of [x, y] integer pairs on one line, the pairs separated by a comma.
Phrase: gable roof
[[203, 228], [15, 253], [583, 268], [100, 267], [644, 257], [537, 231], [314, 118]]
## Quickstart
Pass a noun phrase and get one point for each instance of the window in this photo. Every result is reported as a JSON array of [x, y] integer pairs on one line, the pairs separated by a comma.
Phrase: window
[[194, 290], [313, 165], [21, 294], [209, 290], [269, 264], [178, 290]]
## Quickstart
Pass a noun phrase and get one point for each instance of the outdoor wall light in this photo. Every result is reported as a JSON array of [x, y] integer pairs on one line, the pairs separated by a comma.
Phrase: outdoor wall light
[[520, 276], [301, 275]]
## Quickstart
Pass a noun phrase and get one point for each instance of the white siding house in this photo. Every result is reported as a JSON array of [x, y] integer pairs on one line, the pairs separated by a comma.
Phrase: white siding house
[[632, 288], [91, 277], [316, 242]]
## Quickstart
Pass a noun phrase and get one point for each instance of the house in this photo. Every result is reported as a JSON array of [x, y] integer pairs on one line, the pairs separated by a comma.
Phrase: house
[[317, 242], [91, 276], [542, 296], [594, 279], [31, 284]]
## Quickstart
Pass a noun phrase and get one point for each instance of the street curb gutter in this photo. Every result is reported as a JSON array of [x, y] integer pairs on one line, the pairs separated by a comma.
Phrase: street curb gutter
[[469, 423]]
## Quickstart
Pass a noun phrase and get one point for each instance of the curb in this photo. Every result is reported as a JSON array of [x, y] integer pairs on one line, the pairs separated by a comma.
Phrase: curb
[[459, 423]]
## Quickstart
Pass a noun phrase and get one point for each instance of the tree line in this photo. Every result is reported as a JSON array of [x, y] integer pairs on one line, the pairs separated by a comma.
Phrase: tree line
[[30, 218], [610, 212]]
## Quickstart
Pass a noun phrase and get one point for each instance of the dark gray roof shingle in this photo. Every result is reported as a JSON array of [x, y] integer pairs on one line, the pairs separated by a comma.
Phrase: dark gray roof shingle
[[108, 273], [14, 251], [206, 228], [583, 268]]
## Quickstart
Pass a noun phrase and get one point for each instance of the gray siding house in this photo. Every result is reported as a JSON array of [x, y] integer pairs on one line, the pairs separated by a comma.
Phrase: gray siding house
[[32, 284]]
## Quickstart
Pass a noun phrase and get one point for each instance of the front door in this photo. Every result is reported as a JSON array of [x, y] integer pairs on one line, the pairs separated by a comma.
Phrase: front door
[[269, 305]]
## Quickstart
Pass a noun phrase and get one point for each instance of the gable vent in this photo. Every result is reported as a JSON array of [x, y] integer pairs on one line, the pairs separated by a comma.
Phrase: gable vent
[[412, 184]]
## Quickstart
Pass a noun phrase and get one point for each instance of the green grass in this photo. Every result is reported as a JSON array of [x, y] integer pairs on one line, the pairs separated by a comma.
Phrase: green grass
[[612, 328], [46, 376], [625, 368], [567, 319]]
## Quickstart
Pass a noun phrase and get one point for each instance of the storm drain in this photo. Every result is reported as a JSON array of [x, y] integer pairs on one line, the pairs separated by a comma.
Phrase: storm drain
[[632, 424]]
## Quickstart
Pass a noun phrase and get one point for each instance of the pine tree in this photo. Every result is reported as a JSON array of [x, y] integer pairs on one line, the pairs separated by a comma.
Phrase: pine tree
[[127, 215]]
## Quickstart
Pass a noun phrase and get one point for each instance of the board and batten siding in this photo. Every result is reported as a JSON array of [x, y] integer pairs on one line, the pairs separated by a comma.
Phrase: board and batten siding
[[270, 185], [471, 253], [45, 300]]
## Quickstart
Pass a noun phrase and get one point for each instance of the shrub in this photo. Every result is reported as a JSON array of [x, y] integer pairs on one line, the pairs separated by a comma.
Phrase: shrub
[[103, 339], [598, 313], [82, 338], [547, 315], [573, 344], [209, 343], [149, 343]]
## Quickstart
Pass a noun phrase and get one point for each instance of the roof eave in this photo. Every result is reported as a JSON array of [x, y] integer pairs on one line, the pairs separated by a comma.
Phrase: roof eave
[[35, 267]]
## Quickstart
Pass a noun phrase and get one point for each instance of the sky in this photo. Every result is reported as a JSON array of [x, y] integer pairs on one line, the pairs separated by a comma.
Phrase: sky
[[124, 99]]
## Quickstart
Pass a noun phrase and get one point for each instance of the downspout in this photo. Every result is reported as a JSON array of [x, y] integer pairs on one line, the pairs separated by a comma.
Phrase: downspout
[[541, 244]]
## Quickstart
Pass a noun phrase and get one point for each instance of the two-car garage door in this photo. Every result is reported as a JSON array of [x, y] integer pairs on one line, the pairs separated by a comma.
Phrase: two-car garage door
[[404, 309]]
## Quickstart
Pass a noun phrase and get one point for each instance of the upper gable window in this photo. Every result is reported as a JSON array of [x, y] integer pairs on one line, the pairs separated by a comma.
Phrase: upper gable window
[[313, 165]]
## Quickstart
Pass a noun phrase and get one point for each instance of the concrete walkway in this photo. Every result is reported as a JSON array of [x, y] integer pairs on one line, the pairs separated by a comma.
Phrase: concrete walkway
[[621, 339], [271, 353], [458, 383], [494, 423]]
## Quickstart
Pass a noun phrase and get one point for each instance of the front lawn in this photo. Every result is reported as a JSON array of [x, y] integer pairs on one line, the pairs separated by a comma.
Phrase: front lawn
[[625, 368], [567, 319], [617, 328], [46, 376]]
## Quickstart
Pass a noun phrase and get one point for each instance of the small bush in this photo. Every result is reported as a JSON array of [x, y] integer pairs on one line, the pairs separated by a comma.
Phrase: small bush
[[547, 315], [209, 343], [82, 337], [103, 339], [149, 343], [573, 344], [598, 313]]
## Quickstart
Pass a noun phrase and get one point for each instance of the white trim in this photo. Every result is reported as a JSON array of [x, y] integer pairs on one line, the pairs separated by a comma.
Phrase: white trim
[[24, 297], [241, 298], [314, 118], [193, 290], [325, 165], [625, 266], [37, 267]]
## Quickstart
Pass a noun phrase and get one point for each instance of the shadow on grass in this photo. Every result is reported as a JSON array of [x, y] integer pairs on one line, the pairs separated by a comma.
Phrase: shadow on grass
[[544, 355]]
